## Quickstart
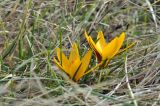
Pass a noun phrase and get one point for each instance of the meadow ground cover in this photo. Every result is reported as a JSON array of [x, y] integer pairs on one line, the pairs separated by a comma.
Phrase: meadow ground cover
[[32, 30]]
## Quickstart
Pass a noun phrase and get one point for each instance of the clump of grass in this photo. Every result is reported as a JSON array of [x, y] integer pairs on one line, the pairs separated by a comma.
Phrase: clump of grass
[[31, 30]]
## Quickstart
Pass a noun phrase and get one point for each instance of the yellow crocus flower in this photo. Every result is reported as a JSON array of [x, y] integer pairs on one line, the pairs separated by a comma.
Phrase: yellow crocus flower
[[106, 51], [73, 66]]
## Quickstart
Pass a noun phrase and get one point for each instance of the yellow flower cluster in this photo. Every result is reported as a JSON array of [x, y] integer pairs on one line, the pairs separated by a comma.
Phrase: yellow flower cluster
[[76, 68]]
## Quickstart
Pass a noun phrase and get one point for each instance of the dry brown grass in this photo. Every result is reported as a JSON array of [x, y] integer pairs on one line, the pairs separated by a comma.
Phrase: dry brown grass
[[31, 30]]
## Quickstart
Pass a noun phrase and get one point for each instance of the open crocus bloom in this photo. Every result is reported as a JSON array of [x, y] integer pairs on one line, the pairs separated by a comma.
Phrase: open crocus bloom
[[103, 50], [74, 67]]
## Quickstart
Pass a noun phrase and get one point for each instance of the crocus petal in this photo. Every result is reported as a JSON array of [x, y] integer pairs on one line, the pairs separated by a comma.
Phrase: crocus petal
[[84, 65], [74, 59], [119, 43], [63, 60], [91, 43], [110, 49], [59, 65], [96, 50], [74, 54], [74, 67], [101, 43]]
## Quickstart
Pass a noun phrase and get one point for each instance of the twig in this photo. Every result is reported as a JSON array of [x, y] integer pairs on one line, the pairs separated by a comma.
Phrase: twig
[[152, 12], [128, 85]]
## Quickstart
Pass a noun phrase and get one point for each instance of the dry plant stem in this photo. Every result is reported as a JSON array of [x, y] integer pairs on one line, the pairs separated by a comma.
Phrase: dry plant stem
[[128, 85], [116, 88], [150, 74], [31, 30], [152, 12], [156, 102], [70, 94]]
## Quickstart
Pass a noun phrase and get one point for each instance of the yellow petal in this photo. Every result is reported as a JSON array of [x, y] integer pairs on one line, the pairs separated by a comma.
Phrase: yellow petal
[[63, 61], [95, 49], [113, 47], [120, 42], [58, 52], [74, 59], [101, 43], [93, 45], [74, 67], [110, 49], [91, 42], [74, 54], [59, 65], [84, 65]]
